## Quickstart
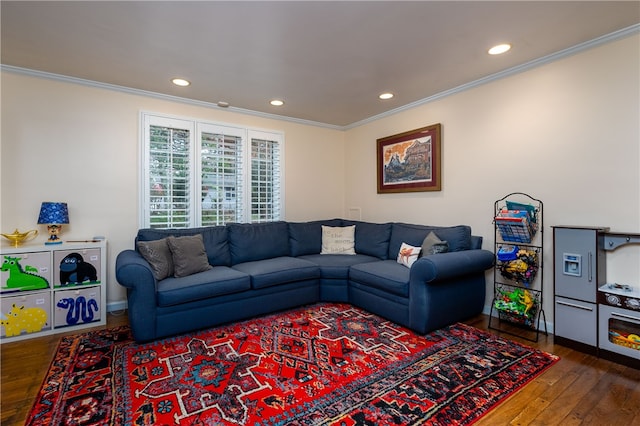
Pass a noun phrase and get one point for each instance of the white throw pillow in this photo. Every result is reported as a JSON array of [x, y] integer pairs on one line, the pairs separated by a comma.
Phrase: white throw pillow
[[338, 239], [408, 254]]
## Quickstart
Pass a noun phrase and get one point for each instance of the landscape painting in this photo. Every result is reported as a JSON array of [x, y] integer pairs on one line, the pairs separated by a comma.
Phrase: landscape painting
[[410, 161]]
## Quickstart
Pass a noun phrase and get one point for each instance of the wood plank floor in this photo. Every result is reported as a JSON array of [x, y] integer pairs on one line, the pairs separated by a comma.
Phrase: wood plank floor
[[579, 390]]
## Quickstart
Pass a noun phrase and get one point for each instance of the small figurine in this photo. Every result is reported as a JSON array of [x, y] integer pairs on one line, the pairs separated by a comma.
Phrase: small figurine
[[54, 234]]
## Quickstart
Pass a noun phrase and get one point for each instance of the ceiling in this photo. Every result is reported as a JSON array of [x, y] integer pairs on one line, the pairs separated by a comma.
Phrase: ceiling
[[327, 60]]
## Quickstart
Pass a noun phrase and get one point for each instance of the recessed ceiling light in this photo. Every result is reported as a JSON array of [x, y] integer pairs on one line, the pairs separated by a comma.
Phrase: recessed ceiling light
[[386, 95], [180, 82], [499, 49], [277, 102]]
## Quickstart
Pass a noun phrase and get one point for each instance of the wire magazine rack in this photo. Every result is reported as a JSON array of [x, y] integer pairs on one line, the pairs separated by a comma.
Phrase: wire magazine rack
[[517, 284]]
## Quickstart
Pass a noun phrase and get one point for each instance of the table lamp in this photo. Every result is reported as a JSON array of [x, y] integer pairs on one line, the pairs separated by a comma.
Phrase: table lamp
[[54, 215]]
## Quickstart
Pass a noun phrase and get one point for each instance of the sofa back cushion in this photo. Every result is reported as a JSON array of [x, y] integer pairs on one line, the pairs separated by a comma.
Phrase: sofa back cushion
[[306, 237], [476, 242], [458, 237], [257, 241], [214, 238], [372, 239]]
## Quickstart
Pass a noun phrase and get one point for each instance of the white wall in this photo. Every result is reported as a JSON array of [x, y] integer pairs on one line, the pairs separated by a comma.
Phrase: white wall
[[567, 133], [79, 144]]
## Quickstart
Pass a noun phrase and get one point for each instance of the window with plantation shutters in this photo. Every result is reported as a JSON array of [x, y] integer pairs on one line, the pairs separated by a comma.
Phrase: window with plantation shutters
[[221, 162], [168, 178], [265, 180], [204, 174]]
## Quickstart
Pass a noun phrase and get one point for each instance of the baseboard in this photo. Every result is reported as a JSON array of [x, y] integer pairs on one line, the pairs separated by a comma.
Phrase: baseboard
[[117, 306]]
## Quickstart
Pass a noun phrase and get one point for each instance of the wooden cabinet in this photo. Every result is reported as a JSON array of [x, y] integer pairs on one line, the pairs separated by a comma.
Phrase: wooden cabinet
[[49, 289]]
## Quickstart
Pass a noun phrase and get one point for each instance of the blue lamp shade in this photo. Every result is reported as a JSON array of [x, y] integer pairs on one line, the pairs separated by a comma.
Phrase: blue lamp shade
[[53, 214]]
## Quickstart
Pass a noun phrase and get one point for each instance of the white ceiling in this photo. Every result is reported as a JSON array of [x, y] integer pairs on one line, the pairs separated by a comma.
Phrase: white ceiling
[[327, 60]]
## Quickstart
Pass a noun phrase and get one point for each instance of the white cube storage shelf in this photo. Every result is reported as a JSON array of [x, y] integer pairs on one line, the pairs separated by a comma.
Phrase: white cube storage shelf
[[47, 289]]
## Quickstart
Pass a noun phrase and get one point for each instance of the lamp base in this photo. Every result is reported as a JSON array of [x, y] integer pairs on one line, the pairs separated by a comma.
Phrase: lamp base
[[54, 232]]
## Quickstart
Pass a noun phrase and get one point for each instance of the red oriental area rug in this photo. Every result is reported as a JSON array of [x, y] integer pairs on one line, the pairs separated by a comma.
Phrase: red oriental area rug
[[327, 364]]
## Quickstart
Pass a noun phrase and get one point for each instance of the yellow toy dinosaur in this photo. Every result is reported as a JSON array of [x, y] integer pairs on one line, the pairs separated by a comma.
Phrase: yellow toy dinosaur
[[526, 300]]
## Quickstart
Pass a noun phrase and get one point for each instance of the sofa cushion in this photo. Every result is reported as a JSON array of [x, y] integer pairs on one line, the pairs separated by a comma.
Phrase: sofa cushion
[[386, 275], [442, 247], [476, 242], [159, 257], [408, 255], [189, 255], [338, 239], [217, 281], [214, 238], [306, 237], [458, 237], [433, 245], [336, 266], [256, 241], [279, 270], [372, 239]]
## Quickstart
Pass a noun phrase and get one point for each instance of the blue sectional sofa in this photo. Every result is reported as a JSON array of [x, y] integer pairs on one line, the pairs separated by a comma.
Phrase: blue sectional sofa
[[255, 269]]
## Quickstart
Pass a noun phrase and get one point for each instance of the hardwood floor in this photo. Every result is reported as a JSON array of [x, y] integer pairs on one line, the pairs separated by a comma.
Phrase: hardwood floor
[[579, 390]]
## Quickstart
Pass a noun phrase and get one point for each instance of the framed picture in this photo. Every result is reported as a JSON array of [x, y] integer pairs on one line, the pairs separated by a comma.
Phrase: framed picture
[[410, 161]]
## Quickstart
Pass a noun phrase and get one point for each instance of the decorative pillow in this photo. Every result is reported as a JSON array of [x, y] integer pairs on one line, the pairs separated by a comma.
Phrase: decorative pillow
[[458, 237], [442, 247], [338, 239], [408, 254], [433, 245], [189, 255], [306, 237], [215, 240], [158, 254]]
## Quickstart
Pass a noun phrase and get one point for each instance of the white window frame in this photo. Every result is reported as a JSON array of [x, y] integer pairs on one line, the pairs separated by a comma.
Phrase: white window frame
[[204, 127], [196, 128], [268, 136]]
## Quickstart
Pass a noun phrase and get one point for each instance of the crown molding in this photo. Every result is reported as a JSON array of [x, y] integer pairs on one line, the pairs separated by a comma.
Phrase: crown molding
[[616, 35], [161, 96]]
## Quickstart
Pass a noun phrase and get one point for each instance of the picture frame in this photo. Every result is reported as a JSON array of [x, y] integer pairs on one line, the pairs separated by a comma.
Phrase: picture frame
[[410, 161]]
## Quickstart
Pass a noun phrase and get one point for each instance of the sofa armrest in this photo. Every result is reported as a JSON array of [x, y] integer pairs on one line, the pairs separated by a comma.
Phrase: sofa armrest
[[446, 288], [443, 266], [134, 273]]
